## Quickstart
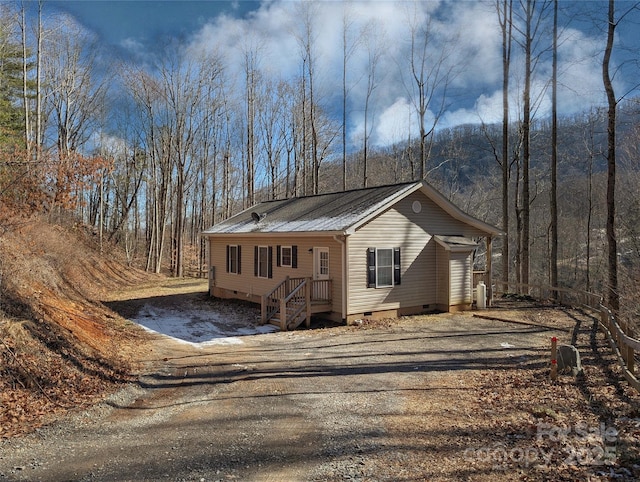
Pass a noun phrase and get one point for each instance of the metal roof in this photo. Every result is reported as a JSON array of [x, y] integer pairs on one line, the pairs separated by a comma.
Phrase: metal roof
[[338, 212], [456, 243]]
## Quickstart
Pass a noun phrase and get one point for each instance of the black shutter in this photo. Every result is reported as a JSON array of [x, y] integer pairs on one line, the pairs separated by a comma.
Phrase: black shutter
[[294, 256], [239, 260], [371, 268], [255, 261], [278, 253], [396, 266], [270, 263], [228, 258]]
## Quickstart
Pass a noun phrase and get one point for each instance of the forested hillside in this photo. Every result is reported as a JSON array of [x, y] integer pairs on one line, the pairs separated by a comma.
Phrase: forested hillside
[[147, 154], [111, 167]]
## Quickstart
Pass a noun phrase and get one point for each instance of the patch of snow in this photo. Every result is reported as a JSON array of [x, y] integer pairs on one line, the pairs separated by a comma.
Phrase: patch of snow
[[199, 327], [507, 345]]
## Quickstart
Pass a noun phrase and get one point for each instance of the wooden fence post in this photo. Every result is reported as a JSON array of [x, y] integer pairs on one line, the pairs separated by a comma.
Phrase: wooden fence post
[[554, 359], [627, 349]]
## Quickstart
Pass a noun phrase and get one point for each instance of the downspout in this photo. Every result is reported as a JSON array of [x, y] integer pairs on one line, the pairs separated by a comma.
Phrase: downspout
[[345, 273]]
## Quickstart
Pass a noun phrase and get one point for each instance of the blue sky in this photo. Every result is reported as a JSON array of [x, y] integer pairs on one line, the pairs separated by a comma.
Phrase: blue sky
[[135, 30], [117, 22]]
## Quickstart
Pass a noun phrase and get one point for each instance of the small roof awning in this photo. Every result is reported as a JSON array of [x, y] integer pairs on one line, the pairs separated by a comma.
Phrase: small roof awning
[[456, 243]]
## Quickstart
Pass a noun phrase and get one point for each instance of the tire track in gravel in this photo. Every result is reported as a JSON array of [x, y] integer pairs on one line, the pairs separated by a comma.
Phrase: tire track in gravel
[[306, 405]]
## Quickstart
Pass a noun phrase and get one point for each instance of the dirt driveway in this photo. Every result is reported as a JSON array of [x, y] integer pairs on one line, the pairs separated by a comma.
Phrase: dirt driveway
[[442, 397]]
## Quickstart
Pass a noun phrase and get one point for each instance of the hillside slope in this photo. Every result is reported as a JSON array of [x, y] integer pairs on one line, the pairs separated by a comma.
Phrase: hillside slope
[[60, 348]]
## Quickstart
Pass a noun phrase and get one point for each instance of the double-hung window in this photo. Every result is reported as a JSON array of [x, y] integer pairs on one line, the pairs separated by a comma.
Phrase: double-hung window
[[383, 267], [233, 259], [263, 261], [285, 256], [262, 265]]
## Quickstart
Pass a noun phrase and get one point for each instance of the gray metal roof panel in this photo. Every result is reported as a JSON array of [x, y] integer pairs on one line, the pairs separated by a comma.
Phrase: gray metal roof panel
[[333, 212]]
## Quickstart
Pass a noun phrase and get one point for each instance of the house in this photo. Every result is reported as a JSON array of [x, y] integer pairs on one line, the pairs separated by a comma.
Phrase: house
[[373, 252]]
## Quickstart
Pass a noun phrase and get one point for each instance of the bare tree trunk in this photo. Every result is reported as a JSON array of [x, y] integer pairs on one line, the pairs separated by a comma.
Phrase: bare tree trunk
[[39, 128], [613, 298], [430, 76], [374, 54], [505, 16], [250, 60], [518, 210], [526, 147], [554, 154], [346, 53], [591, 153]]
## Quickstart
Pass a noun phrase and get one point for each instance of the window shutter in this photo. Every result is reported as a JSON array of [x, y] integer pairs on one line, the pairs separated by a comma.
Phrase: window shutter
[[396, 266], [255, 261], [270, 263], [371, 267], [294, 256], [278, 253], [228, 260], [239, 259]]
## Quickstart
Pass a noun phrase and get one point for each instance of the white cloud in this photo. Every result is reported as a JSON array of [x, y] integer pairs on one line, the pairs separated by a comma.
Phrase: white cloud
[[133, 46], [471, 39], [397, 123]]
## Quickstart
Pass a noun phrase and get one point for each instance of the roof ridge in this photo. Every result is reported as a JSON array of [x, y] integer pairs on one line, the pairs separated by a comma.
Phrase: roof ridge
[[368, 188]]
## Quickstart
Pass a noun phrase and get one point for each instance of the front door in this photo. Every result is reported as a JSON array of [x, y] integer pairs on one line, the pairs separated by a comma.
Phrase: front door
[[320, 273]]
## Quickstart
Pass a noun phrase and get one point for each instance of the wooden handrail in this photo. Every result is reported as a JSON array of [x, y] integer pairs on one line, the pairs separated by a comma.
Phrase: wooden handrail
[[296, 289], [304, 290]]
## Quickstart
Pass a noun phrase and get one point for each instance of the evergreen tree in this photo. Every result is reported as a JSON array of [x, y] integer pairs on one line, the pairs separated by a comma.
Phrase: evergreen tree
[[11, 85]]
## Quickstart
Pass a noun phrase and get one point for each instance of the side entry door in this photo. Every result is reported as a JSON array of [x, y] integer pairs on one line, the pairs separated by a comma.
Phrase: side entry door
[[320, 272]]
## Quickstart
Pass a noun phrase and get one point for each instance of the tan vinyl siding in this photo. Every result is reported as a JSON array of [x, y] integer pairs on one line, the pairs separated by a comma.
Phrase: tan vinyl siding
[[400, 226], [392, 229], [247, 284], [443, 276], [460, 269]]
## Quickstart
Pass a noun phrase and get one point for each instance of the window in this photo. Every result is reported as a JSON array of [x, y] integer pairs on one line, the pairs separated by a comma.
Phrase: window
[[233, 259], [285, 256], [263, 267], [324, 262], [383, 267]]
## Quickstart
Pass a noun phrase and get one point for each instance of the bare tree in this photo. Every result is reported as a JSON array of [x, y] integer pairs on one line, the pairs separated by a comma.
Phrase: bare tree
[[505, 19], [554, 154], [26, 90], [613, 298], [348, 48], [374, 41], [251, 60], [306, 39], [532, 17], [430, 76], [75, 95]]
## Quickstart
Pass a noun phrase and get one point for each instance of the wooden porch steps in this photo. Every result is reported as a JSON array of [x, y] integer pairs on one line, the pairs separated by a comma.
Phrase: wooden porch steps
[[316, 307], [294, 300]]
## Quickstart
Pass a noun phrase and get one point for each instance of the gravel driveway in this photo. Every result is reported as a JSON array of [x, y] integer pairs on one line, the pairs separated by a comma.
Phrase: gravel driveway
[[319, 404]]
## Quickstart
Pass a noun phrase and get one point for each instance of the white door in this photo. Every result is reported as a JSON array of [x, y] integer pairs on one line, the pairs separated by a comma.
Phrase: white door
[[320, 272]]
